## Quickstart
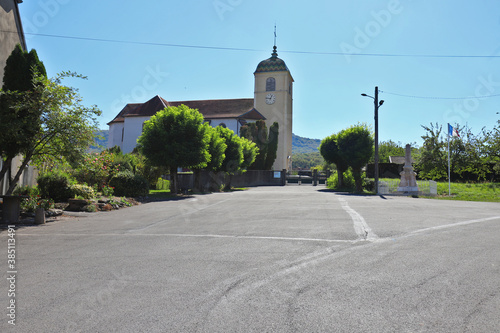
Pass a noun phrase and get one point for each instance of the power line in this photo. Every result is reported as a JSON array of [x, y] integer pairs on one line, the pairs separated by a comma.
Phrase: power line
[[394, 55], [437, 97]]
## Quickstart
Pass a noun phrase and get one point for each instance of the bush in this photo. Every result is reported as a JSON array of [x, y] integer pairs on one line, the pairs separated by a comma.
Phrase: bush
[[162, 184], [349, 185], [127, 184], [84, 191], [26, 190], [55, 185], [369, 184]]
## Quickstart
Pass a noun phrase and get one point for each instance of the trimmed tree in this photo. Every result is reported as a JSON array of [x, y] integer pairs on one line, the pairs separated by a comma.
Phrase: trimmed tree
[[356, 148], [175, 137], [331, 154], [234, 154], [216, 149], [272, 148], [250, 153], [19, 125], [257, 133]]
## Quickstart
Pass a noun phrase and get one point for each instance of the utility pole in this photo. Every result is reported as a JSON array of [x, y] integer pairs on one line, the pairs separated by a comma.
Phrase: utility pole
[[377, 105], [376, 138]]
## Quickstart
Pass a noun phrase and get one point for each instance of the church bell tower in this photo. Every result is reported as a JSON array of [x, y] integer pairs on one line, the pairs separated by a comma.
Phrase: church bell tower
[[273, 99]]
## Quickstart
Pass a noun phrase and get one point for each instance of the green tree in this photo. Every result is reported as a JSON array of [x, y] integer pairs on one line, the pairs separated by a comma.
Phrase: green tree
[[433, 156], [329, 149], [18, 126], [234, 154], [272, 148], [67, 127], [250, 153], [355, 146], [267, 144], [175, 137], [257, 132], [389, 148], [216, 149]]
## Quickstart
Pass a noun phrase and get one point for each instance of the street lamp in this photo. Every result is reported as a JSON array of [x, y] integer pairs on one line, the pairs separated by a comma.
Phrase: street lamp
[[377, 105]]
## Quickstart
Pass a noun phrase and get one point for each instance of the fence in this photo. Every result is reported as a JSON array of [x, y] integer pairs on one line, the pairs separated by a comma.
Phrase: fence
[[391, 186], [245, 179]]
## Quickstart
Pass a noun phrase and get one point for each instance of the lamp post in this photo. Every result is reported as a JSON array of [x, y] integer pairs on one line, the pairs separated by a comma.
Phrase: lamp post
[[377, 105]]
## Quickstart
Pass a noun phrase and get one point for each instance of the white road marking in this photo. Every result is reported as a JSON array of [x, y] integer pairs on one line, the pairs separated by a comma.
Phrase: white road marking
[[360, 226], [452, 225], [202, 236]]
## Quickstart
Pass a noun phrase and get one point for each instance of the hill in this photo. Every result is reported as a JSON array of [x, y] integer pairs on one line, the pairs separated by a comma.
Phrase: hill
[[100, 143], [304, 145]]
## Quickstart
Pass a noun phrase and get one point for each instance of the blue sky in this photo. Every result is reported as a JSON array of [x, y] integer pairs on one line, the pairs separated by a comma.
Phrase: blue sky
[[315, 39]]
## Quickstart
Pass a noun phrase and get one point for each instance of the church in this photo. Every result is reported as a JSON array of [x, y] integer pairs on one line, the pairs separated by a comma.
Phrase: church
[[272, 102]]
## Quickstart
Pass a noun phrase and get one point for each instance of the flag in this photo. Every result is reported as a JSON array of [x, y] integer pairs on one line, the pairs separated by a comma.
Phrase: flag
[[452, 131]]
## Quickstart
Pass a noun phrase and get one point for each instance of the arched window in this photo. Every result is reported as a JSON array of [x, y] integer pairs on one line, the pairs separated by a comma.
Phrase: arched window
[[270, 84], [222, 125]]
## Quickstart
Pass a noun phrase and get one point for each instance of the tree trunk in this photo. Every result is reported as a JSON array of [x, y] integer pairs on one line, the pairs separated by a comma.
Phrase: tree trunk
[[357, 180], [340, 176], [5, 168], [197, 187], [173, 180], [227, 186]]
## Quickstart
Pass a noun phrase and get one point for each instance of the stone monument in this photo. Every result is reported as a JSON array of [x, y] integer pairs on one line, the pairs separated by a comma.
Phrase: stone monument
[[408, 183]]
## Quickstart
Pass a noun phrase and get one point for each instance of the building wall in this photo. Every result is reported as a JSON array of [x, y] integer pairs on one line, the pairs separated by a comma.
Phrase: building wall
[[132, 131], [281, 111], [115, 135], [11, 31], [232, 124]]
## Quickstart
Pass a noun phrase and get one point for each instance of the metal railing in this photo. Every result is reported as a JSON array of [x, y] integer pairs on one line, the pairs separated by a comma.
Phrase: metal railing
[[391, 186]]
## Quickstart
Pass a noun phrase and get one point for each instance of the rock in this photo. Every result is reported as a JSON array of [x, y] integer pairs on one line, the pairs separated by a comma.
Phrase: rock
[[53, 212], [77, 205], [107, 207]]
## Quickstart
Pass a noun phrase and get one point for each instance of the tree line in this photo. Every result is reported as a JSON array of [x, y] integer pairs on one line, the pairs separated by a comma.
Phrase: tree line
[[178, 137]]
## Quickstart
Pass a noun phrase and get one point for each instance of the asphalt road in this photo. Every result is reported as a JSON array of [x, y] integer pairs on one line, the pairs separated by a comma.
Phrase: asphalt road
[[270, 259]]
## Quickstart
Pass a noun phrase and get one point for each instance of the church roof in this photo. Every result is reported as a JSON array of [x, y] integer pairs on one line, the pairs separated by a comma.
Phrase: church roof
[[120, 117], [211, 109], [273, 64]]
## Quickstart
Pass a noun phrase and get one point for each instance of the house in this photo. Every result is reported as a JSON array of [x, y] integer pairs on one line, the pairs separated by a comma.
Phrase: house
[[272, 102]]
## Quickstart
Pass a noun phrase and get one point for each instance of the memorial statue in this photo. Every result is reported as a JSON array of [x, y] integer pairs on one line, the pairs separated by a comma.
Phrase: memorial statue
[[408, 183]]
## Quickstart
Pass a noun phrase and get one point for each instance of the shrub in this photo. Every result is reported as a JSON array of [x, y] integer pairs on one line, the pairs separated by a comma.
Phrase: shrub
[[84, 191], [26, 190], [55, 185], [349, 185], [162, 184], [369, 184], [127, 184], [96, 168]]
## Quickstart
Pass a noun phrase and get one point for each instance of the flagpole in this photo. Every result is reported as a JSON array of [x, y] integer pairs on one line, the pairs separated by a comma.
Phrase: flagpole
[[449, 178]]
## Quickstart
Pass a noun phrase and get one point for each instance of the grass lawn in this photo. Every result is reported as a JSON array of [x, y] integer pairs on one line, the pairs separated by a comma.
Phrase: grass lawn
[[160, 194], [469, 192]]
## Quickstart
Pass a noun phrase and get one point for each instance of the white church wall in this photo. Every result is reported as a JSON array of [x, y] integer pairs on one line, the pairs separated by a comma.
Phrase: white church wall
[[132, 131], [115, 135], [232, 124]]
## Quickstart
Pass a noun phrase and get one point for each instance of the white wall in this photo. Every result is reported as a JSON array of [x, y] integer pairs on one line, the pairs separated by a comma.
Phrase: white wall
[[115, 135], [232, 124], [133, 129]]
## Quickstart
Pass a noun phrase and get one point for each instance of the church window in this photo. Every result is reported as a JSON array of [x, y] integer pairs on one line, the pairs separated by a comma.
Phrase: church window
[[270, 84]]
